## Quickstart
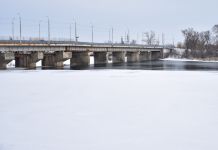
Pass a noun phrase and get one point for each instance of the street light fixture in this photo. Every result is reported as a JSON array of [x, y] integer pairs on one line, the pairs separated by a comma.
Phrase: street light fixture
[[112, 34], [40, 29], [48, 30], [13, 28], [76, 37], [20, 22], [92, 27], [70, 32]]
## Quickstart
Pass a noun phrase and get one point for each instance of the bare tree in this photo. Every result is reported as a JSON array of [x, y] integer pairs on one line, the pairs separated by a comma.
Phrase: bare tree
[[215, 32], [191, 38], [201, 44], [204, 40], [215, 29], [149, 38]]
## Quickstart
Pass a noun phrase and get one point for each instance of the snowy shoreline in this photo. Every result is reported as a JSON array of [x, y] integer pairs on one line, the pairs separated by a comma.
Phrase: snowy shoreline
[[189, 60]]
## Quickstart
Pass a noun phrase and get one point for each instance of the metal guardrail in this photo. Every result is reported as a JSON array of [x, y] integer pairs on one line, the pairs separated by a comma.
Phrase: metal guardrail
[[73, 43]]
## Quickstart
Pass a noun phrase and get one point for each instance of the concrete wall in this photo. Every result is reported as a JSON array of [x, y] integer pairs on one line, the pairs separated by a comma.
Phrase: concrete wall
[[144, 56], [80, 60], [6, 58], [28, 60], [156, 55], [132, 56], [100, 58], [56, 59], [118, 57]]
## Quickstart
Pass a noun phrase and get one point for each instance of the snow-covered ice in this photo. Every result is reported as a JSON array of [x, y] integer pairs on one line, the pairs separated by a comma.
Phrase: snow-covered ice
[[191, 60], [108, 110]]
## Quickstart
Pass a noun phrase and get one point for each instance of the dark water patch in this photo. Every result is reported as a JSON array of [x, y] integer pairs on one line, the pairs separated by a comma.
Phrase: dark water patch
[[146, 65], [162, 65]]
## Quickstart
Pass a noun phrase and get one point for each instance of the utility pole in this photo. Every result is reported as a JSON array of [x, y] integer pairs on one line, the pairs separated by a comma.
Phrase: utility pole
[[173, 41], [13, 28], [163, 39], [76, 38], [92, 33], [20, 28], [48, 30], [70, 32], [39, 30], [128, 38], [137, 38], [112, 34], [109, 40]]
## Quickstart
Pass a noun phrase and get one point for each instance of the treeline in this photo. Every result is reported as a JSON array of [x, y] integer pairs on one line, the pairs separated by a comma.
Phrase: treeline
[[200, 44]]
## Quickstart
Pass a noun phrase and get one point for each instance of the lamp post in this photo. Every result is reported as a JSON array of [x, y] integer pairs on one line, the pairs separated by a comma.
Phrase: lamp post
[[92, 33], [112, 32], [20, 22], [40, 29], [109, 40], [13, 28], [48, 30], [70, 32], [76, 37]]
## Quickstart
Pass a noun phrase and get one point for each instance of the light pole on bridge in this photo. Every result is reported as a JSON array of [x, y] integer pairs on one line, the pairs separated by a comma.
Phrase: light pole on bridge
[[112, 35], [76, 37], [48, 30], [40, 29], [20, 22], [70, 32], [13, 28], [92, 33]]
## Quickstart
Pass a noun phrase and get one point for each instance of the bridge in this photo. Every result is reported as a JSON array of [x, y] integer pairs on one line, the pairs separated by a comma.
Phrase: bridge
[[53, 53]]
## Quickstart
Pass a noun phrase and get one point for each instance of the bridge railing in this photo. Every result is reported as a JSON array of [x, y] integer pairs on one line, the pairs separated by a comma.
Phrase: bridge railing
[[58, 42]]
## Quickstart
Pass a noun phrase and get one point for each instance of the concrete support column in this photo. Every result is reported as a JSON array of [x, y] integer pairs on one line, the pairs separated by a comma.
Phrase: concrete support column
[[118, 57], [28, 60], [144, 56], [56, 59], [132, 56], [155, 55], [100, 58], [162, 53], [5, 58], [80, 60]]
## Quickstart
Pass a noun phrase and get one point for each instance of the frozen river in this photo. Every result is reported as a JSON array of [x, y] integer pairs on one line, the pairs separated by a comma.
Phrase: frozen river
[[123, 109]]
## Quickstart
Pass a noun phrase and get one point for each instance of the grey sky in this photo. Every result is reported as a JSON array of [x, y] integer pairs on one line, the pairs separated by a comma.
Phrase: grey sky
[[167, 16]]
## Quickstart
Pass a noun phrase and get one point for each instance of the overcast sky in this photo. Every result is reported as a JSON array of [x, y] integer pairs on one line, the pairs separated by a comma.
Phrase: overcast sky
[[162, 16]]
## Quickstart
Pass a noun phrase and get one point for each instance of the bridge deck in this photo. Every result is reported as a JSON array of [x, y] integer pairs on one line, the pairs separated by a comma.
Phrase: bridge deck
[[26, 46]]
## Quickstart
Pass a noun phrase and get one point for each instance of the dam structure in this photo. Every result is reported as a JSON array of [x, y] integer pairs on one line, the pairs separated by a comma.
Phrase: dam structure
[[53, 53]]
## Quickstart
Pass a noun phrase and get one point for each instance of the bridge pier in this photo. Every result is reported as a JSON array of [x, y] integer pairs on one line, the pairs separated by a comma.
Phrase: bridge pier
[[56, 59], [100, 58], [28, 60], [132, 56], [5, 58], [80, 60], [144, 56], [155, 55], [118, 57]]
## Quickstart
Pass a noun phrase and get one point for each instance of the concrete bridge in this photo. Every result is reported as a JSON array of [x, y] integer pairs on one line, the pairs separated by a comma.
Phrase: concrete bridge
[[54, 53]]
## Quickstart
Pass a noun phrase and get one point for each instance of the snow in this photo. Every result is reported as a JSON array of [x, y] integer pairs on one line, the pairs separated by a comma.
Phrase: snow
[[185, 59], [176, 59], [108, 109]]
